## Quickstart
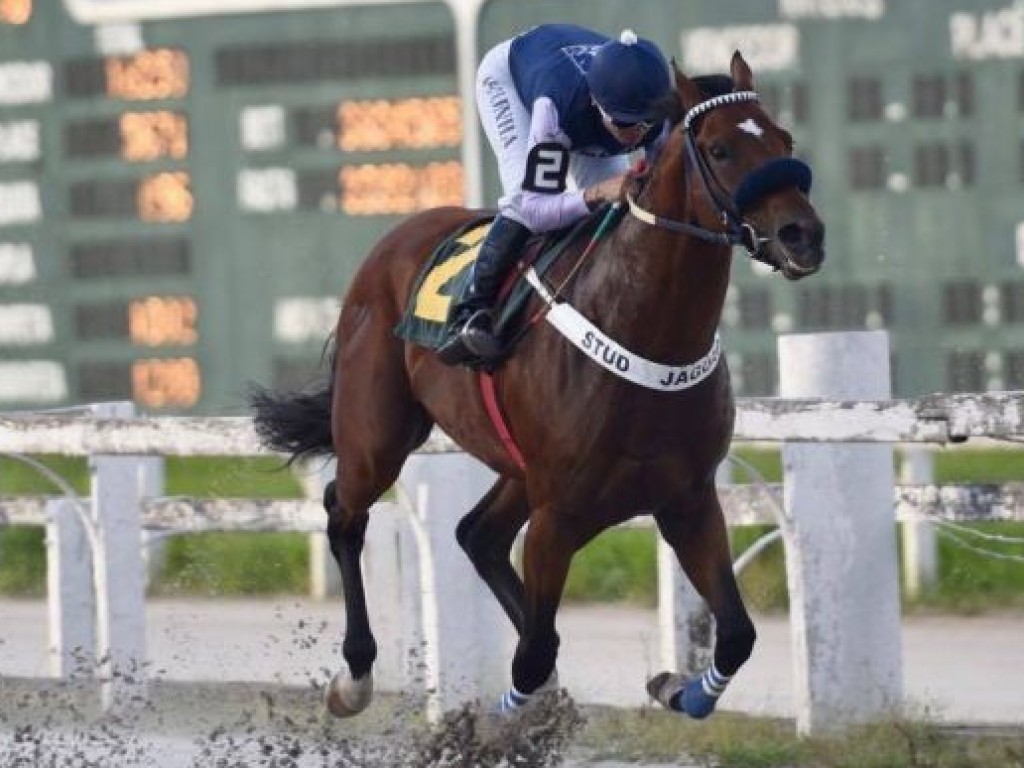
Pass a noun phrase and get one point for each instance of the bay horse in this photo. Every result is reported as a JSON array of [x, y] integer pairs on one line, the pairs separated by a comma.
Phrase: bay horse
[[595, 449]]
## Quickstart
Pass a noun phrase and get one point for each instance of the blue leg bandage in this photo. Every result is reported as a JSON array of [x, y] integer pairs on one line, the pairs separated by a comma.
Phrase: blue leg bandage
[[699, 696], [512, 700]]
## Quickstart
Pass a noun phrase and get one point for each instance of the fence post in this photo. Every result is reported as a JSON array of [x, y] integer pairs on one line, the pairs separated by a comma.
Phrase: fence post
[[392, 581], [920, 552], [840, 541], [71, 603], [685, 625], [152, 478], [466, 636], [118, 484]]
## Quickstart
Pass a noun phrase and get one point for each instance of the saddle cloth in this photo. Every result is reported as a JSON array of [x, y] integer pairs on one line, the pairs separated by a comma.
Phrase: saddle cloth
[[445, 275]]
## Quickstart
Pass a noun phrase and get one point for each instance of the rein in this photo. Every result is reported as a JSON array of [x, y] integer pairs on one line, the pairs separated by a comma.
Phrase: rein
[[647, 217]]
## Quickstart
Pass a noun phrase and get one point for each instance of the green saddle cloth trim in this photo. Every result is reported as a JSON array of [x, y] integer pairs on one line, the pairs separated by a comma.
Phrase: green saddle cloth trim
[[445, 276]]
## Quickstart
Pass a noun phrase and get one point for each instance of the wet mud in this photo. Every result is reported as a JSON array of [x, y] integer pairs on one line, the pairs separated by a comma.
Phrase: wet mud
[[59, 725]]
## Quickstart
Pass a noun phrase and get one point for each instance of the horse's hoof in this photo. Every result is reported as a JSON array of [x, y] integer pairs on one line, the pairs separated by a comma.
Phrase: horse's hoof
[[348, 696], [663, 686], [678, 693]]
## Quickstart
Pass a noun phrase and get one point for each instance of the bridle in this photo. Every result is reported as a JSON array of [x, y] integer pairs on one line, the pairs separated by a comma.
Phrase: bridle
[[775, 174]]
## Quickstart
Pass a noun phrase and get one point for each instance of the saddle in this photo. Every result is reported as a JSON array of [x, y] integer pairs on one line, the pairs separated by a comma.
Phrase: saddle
[[445, 275]]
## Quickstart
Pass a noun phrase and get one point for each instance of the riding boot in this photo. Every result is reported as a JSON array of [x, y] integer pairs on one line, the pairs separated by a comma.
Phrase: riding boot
[[472, 333]]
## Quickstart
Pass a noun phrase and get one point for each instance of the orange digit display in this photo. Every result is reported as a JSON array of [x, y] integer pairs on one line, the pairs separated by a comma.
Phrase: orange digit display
[[156, 321], [149, 136], [165, 197], [15, 12], [414, 123], [161, 73], [167, 383], [399, 188]]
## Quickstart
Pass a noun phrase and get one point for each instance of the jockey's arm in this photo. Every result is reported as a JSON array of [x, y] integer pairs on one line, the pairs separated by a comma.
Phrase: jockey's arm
[[545, 203]]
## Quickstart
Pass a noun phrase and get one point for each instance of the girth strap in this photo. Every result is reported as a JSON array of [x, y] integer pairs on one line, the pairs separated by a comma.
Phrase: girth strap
[[489, 391]]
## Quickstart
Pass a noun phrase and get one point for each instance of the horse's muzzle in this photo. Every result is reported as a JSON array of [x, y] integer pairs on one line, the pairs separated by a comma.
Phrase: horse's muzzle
[[800, 247]]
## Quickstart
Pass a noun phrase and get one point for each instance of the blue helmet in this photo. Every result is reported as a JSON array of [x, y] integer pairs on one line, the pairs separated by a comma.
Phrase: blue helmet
[[627, 77]]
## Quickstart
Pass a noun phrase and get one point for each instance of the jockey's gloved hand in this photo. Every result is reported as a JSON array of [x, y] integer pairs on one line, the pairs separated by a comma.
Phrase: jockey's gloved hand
[[607, 191]]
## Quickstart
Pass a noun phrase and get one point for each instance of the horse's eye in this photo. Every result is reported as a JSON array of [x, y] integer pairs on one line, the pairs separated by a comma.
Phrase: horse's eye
[[718, 151]]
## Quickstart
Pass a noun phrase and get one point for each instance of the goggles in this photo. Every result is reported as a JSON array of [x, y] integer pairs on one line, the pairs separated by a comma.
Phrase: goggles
[[626, 125]]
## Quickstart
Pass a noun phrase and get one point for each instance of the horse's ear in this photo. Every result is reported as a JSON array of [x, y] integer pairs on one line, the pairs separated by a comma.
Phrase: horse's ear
[[689, 93], [742, 77]]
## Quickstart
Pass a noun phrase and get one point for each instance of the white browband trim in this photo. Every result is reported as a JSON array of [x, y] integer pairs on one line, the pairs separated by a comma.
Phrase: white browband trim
[[717, 101], [614, 357]]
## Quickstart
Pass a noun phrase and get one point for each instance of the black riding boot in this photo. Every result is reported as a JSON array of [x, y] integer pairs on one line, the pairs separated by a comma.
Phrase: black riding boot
[[472, 335]]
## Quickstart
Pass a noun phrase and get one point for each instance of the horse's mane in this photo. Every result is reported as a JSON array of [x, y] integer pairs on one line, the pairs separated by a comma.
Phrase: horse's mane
[[714, 85]]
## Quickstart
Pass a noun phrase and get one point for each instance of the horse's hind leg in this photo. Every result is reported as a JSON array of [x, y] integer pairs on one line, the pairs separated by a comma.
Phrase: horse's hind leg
[[358, 484], [487, 534], [346, 532], [698, 535], [376, 423]]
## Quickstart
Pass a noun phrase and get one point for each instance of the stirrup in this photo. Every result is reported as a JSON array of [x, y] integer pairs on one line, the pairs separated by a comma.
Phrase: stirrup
[[472, 341], [478, 335]]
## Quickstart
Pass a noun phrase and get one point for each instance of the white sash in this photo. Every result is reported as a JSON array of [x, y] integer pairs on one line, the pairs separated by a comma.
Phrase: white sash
[[611, 355]]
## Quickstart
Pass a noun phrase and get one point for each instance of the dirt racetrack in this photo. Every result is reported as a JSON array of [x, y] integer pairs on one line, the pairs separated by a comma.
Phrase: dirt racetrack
[[235, 687]]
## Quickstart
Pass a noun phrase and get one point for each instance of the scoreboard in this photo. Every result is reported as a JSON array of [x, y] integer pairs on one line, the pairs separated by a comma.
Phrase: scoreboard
[[182, 201], [185, 195]]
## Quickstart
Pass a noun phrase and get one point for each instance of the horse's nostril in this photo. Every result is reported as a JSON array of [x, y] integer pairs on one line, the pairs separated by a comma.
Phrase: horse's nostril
[[802, 235]]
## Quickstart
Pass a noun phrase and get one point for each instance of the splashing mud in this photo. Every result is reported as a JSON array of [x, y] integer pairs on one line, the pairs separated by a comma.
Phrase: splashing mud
[[536, 737], [57, 725]]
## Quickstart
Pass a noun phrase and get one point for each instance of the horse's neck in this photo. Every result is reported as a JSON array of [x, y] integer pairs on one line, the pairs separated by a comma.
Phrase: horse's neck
[[657, 292]]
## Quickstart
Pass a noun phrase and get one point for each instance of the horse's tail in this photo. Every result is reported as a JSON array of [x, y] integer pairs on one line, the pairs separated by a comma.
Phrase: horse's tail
[[296, 423]]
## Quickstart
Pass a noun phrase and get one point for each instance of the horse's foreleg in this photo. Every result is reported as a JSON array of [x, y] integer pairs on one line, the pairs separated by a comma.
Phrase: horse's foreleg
[[699, 538], [348, 694], [487, 534], [547, 554]]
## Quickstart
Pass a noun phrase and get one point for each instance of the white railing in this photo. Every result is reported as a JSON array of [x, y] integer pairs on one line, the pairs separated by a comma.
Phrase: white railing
[[835, 511]]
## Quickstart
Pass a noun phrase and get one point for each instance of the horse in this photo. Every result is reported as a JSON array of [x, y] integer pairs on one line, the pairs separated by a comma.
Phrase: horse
[[588, 449]]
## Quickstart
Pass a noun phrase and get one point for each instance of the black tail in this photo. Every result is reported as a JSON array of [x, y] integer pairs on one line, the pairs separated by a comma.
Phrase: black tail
[[296, 423]]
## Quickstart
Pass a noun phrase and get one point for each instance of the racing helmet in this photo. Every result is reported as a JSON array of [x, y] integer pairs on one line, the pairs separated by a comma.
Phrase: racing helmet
[[627, 77]]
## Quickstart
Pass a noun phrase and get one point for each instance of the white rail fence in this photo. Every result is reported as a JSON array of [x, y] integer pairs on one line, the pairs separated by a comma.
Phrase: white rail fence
[[835, 509]]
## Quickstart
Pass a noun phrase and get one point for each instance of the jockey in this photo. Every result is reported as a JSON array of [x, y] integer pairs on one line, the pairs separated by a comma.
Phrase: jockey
[[559, 103]]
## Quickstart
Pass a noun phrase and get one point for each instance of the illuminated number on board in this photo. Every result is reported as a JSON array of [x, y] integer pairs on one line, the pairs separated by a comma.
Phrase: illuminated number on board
[[165, 197], [151, 135], [160, 73], [167, 383], [398, 188], [15, 11], [415, 123], [163, 320]]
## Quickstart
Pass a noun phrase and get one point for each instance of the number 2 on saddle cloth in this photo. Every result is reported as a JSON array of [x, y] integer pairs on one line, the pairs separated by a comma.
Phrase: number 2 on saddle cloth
[[447, 272]]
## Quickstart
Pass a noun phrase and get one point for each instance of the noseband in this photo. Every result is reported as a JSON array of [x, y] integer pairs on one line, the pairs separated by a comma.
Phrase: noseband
[[773, 175]]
